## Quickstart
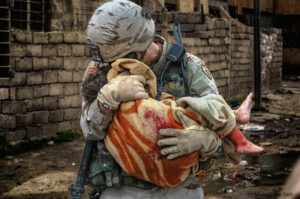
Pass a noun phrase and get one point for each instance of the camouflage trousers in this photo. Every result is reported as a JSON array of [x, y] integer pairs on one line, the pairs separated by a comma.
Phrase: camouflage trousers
[[189, 189]]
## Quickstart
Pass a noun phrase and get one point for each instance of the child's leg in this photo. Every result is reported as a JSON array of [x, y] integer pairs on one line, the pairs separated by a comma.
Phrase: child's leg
[[242, 144], [242, 114]]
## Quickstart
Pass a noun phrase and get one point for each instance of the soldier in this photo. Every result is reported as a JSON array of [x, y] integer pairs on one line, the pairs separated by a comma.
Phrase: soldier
[[123, 29]]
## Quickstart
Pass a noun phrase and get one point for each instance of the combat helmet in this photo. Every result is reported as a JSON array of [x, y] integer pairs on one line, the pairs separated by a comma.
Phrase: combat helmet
[[120, 27]]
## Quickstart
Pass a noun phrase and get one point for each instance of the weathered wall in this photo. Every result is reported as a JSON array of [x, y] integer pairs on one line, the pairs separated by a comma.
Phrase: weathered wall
[[71, 15], [43, 97], [67, 15], [228, 51], [271, 60]]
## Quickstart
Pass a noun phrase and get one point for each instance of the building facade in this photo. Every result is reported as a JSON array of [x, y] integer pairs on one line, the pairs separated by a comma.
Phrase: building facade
[[43, 55]]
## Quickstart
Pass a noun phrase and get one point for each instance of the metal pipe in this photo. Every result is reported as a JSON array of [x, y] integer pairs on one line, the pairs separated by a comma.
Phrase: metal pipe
[[257, 55]]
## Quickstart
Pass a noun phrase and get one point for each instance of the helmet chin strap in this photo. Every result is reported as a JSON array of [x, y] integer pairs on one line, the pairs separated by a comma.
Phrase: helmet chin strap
[[144, 53], [95, 52], [142, 56]]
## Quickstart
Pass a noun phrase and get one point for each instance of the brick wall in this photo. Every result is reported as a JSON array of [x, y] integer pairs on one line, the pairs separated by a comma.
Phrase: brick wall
[[43, 98], [241, 60], [228, 51], [71, 15]]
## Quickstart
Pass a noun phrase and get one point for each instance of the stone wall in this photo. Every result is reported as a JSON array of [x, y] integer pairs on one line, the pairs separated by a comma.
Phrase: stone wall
[[43, 98], [271, 60]]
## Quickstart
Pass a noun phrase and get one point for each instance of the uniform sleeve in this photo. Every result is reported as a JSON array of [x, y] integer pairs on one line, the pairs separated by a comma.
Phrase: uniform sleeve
[[200, 80], [94, 123], [212, 112], [202, 85]]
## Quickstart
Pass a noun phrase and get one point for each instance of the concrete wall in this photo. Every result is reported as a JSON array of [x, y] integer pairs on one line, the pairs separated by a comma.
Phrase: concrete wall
[[43, 96]]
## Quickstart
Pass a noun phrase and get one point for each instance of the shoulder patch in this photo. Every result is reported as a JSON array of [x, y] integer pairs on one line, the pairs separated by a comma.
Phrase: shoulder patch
[[191, 58], [206, 71]]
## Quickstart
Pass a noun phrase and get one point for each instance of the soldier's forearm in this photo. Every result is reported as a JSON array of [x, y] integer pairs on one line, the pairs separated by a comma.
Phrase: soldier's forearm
[[94, 123]]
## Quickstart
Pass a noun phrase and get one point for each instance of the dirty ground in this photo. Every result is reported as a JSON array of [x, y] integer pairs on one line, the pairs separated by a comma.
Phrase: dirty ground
[[48, 172]]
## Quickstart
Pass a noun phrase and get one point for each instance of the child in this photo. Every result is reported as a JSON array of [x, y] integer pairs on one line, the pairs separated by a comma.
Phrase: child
[[133, 133], [219, 118], [242, 115]]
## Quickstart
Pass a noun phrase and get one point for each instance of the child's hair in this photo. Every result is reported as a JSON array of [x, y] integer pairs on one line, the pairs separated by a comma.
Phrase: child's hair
[[93, 83]]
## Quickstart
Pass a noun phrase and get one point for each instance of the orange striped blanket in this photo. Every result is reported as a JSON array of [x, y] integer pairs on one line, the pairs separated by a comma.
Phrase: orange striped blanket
[[132, 139], [134, 131]]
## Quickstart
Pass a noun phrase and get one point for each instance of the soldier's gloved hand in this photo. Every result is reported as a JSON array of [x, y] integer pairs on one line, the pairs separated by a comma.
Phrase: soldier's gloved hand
[[123, 89], [184, 141]]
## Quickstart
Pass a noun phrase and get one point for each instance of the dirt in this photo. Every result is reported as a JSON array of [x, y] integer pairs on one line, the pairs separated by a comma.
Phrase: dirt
[[49, 172], [44, 173], [265, 174]]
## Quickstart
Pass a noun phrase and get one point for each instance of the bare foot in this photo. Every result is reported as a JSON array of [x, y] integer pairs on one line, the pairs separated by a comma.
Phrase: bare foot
[[242, 114], [249, 147], [242, 144]]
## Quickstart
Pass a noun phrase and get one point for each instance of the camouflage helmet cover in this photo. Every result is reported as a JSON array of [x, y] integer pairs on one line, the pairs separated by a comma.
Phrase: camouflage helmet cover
[[120, 27]]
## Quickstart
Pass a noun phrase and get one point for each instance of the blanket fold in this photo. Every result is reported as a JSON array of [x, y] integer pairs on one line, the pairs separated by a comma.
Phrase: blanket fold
[[134, 131]]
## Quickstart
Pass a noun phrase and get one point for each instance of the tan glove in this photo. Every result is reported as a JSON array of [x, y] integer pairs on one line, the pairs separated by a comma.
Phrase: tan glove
[[123, 89], [184, 141]]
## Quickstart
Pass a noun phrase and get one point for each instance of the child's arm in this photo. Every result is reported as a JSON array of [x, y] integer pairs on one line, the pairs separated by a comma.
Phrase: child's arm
[[212, 112]]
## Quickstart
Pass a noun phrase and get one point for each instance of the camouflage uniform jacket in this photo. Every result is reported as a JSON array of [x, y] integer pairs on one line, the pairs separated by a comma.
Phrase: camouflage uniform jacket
[[200, 83]]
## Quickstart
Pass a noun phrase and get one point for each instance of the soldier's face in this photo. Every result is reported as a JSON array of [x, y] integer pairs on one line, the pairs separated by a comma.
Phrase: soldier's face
[[152, 55]]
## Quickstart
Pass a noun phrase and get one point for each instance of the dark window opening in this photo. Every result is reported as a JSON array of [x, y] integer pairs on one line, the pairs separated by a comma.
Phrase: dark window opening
[[4, 36], [3, 13], [214, 11], [4, 24], [197, 5], [171, 6], [4, 61], [247, 18], [4, 40], [3, 3], [4, 72], [30, 15], [290, 25], [4, 48]]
